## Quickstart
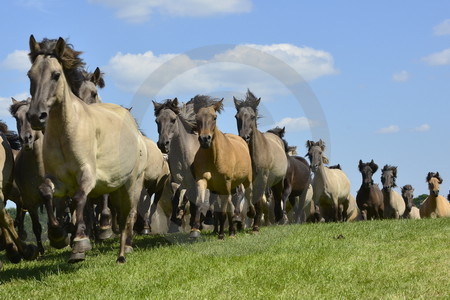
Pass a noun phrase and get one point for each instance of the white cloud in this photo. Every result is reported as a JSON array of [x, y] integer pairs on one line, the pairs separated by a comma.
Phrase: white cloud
[[442, 28], [389, 129], [5, 103], [139, 11], [438, 58], [401, 76], [422, 128], [296, 124], [259, 67], [18, 60]]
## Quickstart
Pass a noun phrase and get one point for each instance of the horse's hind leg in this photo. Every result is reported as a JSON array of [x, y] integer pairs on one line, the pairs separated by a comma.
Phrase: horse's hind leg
[[37, 228], [105, 228], [280, 195]]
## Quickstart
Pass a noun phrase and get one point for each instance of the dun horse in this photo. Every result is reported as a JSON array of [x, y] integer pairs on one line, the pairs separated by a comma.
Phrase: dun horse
[[331, 187], [369, 197], [435, 205], [394, 206], [221, 164], [411, 211], [269, 161], [89, 149]]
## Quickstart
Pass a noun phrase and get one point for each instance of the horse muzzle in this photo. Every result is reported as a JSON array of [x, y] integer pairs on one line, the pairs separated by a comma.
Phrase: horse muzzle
[[163, 146], [205, 141], [37, 120]]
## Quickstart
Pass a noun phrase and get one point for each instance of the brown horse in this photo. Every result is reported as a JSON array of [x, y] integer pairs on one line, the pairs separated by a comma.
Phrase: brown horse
[[411, 211], [369, 197], [269, 161], [435, 205], [16, 249], [88, 149], [221, 164], [394, 206]]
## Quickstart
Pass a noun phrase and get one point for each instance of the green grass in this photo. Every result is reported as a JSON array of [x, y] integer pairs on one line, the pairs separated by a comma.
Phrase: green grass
[[406, 259]]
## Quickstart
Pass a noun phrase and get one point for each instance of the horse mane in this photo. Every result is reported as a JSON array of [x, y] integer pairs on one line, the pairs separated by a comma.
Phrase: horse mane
[[11, 136], [187, 116], [249, 101], [278, 131], [407, 187], [13, 108], [436, 175], [336, 167], [394, 173], [201, 101], [167, 104]]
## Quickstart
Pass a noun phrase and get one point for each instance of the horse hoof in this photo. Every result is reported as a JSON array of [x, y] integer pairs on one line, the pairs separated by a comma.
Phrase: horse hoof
[[146, 231], [105, 233], [77, 257], [13, 255], [58, 237], [195, 234], [221, 236], [255, 229], [81, 245], [121, 260], [128, 249], [31, 252]]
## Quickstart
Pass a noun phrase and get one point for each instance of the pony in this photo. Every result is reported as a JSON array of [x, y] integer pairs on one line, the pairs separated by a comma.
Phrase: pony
[[435, 205], [15, 248], [394, 206], [268, 156], [411, 211], [369, 196], [296, 182], [91, 149], [88, 87], [221, 164], [331, 187]]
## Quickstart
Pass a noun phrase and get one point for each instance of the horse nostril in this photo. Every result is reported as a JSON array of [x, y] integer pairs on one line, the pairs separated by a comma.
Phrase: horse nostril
[[166, 143], [43, 116], [208, 137]]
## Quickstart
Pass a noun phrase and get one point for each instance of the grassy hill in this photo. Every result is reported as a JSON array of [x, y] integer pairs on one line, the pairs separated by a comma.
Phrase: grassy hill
[[388, 259]]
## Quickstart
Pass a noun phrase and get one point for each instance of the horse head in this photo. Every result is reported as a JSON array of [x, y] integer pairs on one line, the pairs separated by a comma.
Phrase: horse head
[[247, 114], [408, 196], [367, 170], [434, 181], [88, 87], [27, 135], [315, 154], [166, 119], [206, 110], [388, 177]]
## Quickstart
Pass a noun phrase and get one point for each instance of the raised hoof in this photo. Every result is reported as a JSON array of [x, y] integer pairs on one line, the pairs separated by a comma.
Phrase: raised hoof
[[195, 234], [13, 255], [77, 257], [128, 249], [221, 236], [146, 231], [81, 245], [121, 260], [105, 233], [58, 237], [31, 252]]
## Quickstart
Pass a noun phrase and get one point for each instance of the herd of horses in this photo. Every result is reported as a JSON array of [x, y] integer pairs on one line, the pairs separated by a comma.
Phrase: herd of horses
[[95, 172]]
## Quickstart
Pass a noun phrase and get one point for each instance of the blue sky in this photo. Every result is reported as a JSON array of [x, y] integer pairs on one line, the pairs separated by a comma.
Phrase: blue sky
[[377, 72]]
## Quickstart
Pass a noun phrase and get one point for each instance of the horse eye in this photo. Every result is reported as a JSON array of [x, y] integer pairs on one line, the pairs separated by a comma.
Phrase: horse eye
[[94, 94], [215, 118], [55, 76], [172, 121]]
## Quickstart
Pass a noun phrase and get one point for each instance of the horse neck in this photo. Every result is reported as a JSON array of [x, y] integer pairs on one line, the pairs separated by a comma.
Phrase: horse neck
[[256, 143], [182, 138], [219, 143], [322, 174]]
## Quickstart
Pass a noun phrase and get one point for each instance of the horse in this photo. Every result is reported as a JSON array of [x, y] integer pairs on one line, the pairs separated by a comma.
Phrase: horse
[[369, 197], [269, 161], [15, 248], [91, 149], [296, 182], [411, 211], [394, 206], [435, 205], [87, 90], [331, 187], [221, 164]]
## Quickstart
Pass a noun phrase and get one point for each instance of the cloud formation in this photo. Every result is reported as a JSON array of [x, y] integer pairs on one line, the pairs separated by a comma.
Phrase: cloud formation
[[237, 68], [296, 124], [389, 129], [139, 11], [442, 28], [5, 103], [438, 58], [401, 76], [422, 128], [18, 60]]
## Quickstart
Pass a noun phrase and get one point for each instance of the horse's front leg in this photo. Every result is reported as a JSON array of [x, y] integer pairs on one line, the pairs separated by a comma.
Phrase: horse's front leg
[[105, 230], [201, 194]]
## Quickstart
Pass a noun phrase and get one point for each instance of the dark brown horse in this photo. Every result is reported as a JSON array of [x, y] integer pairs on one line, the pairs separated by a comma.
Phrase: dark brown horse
[[411, 211], [296, 181], [369, 197]]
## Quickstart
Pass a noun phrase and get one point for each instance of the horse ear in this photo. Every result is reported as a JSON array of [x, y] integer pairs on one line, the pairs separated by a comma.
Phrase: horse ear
[[34, 46], [258, 101], [309, 144], [360, 165], [430, 174], [157, 107], [97, 78], [60, 47], [394, 171], [175, 102], [322, 144], [373, 166], [218, 105], [14, 101], [237, 103], [283, 130], [439, 178]]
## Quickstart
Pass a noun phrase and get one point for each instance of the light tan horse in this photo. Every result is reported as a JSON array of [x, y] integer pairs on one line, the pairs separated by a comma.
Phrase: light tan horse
[[435, 205], [331, 187], [16, 249], [411, 211], [394, 206], [221, 164], [91, 149]]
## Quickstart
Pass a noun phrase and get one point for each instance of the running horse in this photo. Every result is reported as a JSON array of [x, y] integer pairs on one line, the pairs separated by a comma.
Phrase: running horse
[[91, 149], [411, 211], [394, 206], [435, 205], [221, 164], [369, 197], [269, 161]]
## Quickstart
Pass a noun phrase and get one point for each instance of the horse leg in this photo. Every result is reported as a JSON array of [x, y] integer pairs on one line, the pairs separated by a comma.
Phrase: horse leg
[[229, 212], [19, 222], [257, 195], [142, 224], [37, 228], [280, 198], [214, 205], [223, 199], [201, 194], [175, 206], [105, 230]]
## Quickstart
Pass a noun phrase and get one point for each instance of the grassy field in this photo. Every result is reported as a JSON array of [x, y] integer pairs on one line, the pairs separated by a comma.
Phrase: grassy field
[[392, 259]]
